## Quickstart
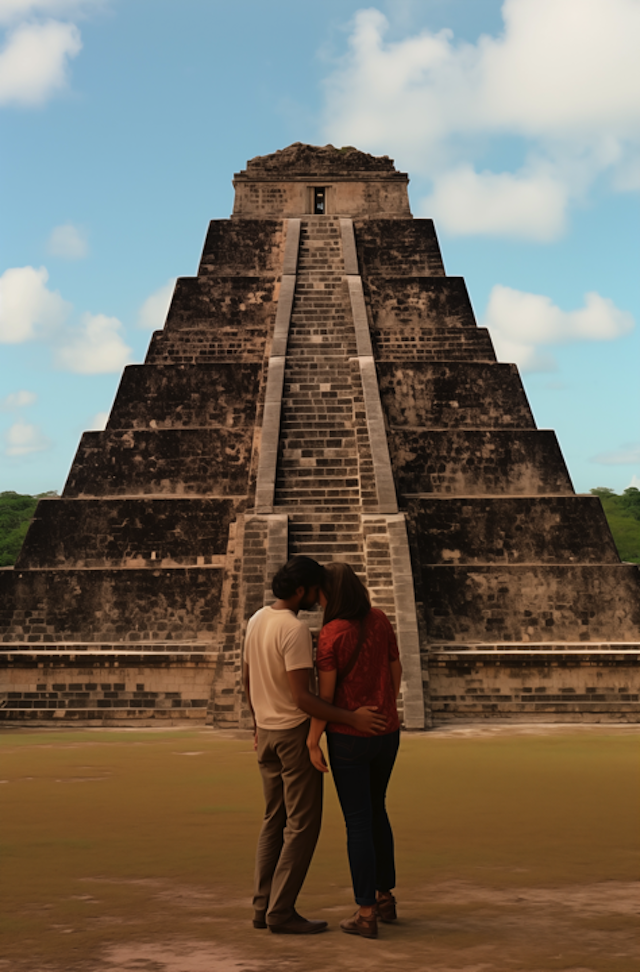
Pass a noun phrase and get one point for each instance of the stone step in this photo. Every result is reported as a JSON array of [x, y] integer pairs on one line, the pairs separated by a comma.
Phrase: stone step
[[292, 426], [300, 497], [318, 455], [315, 482], [306, 407], [337, 437], [305, 534]]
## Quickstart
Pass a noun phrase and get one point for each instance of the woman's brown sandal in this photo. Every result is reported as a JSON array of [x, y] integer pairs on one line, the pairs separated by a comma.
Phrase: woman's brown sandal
[[386, 908], [359, 925]]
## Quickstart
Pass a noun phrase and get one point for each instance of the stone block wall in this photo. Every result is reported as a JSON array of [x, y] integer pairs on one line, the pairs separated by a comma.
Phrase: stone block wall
[[601, 684], [511, 530], [461, 394], [398, 248], [215, 319], [359, 194], [140, 532], [150, 605], [398, 300], [426, 318], [470, 462], [240, 300], [244, 248], [210, 462], [106, 690], [534, 602], [187, 396]]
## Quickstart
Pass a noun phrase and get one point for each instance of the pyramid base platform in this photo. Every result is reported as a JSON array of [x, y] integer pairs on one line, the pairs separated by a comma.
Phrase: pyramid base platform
[[562, 683], [98, 685]]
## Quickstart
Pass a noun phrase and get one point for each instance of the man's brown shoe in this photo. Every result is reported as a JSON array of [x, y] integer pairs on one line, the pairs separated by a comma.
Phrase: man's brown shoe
[[386, 908], [359, 925], [297, 925], [259, 919]]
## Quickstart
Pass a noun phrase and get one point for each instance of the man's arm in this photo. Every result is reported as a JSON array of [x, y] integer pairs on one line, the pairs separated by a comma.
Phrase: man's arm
[[365, 719], [326, 691], [245, 680]]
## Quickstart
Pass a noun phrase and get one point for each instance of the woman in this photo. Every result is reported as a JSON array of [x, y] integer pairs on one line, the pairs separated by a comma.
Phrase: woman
[[358, 664]]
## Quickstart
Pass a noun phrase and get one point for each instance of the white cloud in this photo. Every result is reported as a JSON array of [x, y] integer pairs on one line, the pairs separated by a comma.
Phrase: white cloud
[[27, 307], [627, 455], [561, 81], [34, 61], [95, 348], [22, 438], [531, 206], [68, 242], [29, 310], [19, 399], [153, 312], [635, 482], [519, 322], [13, 10], [98, 422]]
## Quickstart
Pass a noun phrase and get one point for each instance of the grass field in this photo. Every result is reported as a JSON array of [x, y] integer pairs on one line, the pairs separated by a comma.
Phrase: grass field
[[133, 850]]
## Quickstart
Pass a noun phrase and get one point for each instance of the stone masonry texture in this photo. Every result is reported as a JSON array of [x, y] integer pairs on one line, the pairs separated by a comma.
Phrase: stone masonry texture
[[377, 428]]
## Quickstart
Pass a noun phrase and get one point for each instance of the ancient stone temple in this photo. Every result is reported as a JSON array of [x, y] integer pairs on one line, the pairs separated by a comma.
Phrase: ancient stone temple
[[321, 386]]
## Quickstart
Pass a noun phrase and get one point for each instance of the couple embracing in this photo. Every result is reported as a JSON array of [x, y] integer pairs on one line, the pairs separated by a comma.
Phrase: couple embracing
[[359, 680]]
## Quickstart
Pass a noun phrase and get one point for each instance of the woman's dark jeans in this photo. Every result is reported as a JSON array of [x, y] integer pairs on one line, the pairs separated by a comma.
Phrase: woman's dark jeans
[[361, 767]]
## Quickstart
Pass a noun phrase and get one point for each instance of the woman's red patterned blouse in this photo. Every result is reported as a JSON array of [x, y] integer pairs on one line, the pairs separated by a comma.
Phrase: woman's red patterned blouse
[[369, 682]]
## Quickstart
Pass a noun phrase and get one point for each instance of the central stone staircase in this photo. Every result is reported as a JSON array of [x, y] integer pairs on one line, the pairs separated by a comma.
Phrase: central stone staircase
[[325, 472]]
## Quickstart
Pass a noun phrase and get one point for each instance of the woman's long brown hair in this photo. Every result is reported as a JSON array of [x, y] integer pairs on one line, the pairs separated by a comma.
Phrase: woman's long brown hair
[[347, 597]]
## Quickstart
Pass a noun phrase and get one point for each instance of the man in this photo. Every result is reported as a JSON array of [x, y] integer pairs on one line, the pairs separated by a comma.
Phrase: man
[[277, 668]]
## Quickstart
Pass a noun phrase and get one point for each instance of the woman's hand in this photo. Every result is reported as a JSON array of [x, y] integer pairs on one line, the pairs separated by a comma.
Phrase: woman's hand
[[317, 756]]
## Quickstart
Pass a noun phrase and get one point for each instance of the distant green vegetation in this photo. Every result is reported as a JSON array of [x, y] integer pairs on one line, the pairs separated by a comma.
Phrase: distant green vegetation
[[16, 510], [623, 515]]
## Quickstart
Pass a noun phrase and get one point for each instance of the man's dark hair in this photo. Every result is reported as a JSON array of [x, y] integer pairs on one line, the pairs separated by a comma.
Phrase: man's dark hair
[[298, 572]]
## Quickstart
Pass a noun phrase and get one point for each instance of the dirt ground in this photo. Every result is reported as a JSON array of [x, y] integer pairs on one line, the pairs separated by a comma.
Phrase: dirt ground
[[518, 848]]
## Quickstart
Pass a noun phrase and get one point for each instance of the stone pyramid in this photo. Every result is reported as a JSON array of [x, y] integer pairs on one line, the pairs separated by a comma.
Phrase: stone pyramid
[[319, 387]]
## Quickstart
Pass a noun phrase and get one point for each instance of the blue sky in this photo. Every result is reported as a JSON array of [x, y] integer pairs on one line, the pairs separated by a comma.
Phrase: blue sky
[[123, 121]]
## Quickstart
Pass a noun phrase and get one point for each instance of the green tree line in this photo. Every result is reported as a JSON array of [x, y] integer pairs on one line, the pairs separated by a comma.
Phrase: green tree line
[[16, 510], [623, 515], [622, 512]]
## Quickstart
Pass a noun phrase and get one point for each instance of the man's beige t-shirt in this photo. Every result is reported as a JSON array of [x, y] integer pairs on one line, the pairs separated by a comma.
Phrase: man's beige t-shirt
[[276, 643]]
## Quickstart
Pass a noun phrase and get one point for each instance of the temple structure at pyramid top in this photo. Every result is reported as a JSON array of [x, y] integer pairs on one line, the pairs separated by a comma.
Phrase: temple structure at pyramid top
[[303, 180], [321, 387]]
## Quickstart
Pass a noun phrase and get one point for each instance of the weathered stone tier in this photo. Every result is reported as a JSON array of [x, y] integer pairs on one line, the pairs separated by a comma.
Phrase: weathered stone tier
[[532, 602], [213, 462], [252, 247], [186, 396], [543, 683], [111, 532], [418, 344], [398, 248], [398, 301], [106, 687], [241, 301], [478, 462], [122, 606], [464, 394], [198, 345], [511, 530]]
